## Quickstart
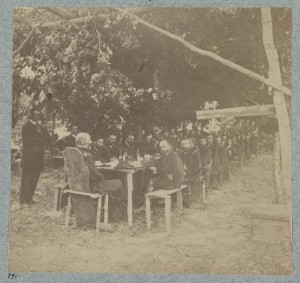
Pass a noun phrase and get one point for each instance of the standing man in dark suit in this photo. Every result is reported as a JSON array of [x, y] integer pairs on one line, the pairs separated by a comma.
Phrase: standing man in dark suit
[[34, 139]]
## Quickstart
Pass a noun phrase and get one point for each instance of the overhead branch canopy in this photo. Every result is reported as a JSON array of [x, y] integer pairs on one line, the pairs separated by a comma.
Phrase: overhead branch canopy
[[211, 55]]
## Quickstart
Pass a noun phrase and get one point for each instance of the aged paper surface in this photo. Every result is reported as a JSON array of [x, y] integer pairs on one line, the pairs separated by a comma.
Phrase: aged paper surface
[[151, 141]]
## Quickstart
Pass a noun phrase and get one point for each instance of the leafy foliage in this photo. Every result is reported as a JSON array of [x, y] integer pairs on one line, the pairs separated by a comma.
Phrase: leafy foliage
[[107, 66]]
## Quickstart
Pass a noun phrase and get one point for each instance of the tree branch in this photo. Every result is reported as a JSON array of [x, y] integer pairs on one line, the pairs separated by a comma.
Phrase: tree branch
[[58, 12], [211, 55], [25, 40]]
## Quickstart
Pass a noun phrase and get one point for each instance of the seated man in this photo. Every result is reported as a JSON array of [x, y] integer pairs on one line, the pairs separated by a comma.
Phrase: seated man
[[206, 154], [147, 146], [192, 164], [129, 146], [112, 146], [100, 151], [97, 182], [168, 168]]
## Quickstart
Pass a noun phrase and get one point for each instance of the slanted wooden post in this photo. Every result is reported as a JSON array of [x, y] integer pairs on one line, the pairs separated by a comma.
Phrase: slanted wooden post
[[280, 104]]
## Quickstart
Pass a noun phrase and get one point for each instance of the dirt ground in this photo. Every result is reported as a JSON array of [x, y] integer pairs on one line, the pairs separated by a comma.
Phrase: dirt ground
[[213, 240]]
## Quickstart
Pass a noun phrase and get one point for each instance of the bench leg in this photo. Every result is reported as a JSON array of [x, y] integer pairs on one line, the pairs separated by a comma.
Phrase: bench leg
[[68, 213], [179, 200], [98, 218], [106, 209], [148, 212], [168, 213], [56, 199], [203, 188]]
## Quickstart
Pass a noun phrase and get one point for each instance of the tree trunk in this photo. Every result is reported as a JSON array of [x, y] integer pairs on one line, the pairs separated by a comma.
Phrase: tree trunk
[[279, 198], [280, 104]]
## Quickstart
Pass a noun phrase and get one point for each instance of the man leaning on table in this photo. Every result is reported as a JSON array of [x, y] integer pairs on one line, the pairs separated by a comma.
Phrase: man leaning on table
[[168, 170]]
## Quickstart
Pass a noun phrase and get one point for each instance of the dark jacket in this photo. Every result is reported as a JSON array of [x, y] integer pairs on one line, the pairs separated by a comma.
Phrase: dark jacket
[[215, 165], [192, 161], [34, 140], [223, 159], [205, 154], [68, 141], [147, 148], [114, 150], [171, 164], [101, 154], [130, 149]]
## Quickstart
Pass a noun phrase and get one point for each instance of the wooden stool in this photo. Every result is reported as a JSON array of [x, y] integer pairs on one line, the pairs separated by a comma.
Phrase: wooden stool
[[99, 207], [166, 195]]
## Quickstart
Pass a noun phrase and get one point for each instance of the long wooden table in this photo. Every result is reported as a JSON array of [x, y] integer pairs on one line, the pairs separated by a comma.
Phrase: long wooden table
[[130, 188]]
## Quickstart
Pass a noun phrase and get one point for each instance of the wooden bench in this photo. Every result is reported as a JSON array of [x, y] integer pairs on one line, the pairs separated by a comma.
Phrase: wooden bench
[[166, 195], [99, 207], [270, 223]]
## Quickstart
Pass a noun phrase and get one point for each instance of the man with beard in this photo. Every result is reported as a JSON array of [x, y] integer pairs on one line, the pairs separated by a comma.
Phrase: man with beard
[[169, 170], [147, 146], [100, 151], [129, 147], [191, 159], [113, 148]]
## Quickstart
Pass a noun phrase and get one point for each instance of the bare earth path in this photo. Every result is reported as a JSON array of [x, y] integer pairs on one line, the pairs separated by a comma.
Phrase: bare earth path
[[215, 240]]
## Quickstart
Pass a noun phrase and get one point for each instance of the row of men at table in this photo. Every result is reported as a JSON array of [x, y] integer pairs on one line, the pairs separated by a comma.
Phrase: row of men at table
[[193, 159], [178, 161]]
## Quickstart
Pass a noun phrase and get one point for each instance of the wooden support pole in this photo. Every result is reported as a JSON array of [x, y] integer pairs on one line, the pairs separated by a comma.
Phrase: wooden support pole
[[257, 110], [280, 104]]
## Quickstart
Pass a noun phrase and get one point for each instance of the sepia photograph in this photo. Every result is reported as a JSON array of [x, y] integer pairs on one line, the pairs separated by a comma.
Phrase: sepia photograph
[[151, 141]]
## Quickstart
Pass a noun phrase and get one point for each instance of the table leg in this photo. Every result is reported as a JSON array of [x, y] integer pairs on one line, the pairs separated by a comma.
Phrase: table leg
[[56, 199], [179, 200], [68, 213], [148, 212], [129, 203], [106, 209], [168, 213]]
